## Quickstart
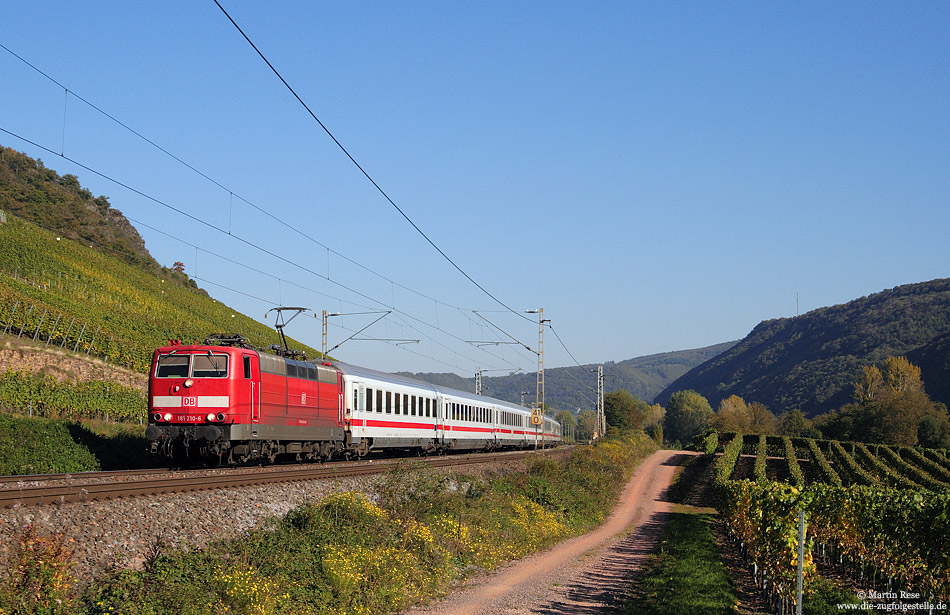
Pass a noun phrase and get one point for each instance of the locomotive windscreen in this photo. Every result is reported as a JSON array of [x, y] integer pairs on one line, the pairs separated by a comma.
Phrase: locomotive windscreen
[[195, 366], [172, 366], [210, 366]]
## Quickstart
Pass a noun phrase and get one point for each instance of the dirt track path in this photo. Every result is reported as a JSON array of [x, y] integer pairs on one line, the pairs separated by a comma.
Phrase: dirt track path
[[583, 575]]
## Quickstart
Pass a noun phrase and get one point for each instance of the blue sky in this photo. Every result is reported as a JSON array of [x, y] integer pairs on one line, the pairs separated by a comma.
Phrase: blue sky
[[656, 176]]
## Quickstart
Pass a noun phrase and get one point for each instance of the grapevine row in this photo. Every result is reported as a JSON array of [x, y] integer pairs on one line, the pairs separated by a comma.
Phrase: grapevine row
[[849, 467], [910, 471], [820, 462], [761, 458], [885, 472], [791, 458]]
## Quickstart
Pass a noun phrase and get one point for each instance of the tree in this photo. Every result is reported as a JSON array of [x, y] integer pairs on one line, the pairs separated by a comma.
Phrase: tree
[[178, 267], [586, 422], [733, 415], [568, 424], [624, 411], [654, 416], [902, 375], [687, 414], [763, 421], [934, 431], [891, 407], [869, 386], [794, 424]]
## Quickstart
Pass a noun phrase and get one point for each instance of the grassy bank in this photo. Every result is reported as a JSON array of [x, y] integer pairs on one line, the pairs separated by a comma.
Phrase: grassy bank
[[685, 573], [418, 534]]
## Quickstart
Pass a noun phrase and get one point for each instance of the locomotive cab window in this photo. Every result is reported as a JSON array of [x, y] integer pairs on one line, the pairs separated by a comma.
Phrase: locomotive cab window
[[172, 366], [247, 367], [210, 366]]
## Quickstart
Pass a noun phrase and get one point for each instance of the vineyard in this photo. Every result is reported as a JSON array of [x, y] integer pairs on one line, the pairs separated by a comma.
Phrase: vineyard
[[877, 514], [63, 293]]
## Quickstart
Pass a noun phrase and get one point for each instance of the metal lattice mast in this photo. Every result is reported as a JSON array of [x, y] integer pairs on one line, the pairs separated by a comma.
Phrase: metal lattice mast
[[323, 348], [601, 424]]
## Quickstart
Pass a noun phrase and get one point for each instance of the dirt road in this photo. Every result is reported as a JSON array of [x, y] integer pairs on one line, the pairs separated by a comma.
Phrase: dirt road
[[583, 575]]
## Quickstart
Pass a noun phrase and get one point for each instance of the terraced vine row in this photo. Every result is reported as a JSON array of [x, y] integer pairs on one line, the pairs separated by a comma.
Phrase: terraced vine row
[[46, 397], [903, 533]]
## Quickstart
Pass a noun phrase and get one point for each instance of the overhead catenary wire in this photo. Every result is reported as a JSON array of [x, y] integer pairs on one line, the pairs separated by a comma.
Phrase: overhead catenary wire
[[249, 244], [362, 170], [296, 229], [231, 193]]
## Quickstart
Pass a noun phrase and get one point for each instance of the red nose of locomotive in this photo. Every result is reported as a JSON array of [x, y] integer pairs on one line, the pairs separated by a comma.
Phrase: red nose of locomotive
[[190, 394]]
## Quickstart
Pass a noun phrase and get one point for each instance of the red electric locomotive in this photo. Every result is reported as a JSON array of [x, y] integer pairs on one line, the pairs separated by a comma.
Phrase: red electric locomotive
[[235, 404]]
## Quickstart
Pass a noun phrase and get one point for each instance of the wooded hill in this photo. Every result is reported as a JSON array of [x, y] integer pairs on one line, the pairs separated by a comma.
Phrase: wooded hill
[[811, 362], [570, 388], [60, 204]]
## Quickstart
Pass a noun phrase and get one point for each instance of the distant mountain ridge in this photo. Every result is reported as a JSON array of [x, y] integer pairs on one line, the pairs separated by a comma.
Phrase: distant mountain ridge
[[810, 362], [572, 388]]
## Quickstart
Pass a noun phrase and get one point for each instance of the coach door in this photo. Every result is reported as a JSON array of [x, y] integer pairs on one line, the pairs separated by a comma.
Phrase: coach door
[[440, 418], [339, 378]]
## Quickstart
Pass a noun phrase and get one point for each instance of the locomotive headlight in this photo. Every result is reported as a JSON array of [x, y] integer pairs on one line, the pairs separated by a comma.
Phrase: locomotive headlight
[[157, 416], [188, 383], [168, 416], [220, 417], [210, 417]]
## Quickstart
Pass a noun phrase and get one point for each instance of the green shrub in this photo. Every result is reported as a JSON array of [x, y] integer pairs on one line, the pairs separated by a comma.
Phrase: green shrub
[[41, 446]]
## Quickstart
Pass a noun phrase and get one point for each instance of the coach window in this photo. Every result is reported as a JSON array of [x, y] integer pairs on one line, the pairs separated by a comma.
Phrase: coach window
[[389, 402], [369, 400], [413, 406], [396, 403], [379, 400]]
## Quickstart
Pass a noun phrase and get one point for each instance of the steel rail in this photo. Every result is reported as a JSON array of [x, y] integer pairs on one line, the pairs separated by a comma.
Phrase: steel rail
[[83, 490]]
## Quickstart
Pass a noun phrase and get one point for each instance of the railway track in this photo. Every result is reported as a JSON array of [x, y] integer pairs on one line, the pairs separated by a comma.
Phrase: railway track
[[91, 486]]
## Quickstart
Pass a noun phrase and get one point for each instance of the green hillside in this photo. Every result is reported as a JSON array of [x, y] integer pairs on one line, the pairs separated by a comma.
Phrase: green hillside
[[570, 388], [810, 362], [74, 296]]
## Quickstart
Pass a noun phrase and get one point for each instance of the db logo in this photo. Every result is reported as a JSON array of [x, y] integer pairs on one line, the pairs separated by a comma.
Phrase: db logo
[[189, 401]]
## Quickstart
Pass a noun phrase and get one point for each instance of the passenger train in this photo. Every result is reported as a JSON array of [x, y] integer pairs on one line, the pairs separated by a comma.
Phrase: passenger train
[[226, 402]]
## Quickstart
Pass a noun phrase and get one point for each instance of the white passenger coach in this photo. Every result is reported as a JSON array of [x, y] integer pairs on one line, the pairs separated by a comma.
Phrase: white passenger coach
[[386, 411]]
